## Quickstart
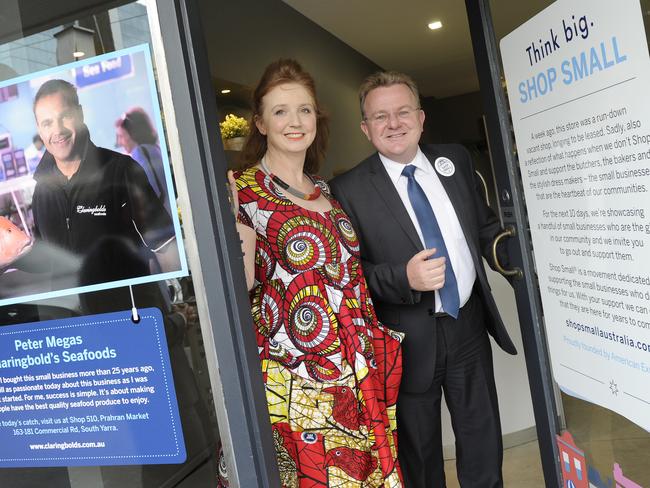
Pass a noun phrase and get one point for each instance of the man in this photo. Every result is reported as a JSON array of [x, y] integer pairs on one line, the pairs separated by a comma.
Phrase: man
[[87, 195], [423, 229]]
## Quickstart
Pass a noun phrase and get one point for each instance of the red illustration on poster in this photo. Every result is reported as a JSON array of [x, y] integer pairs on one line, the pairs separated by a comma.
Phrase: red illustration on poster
[[573, 462]]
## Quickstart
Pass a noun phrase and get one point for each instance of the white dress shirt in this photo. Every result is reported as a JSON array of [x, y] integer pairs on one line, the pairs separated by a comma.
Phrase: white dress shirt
[[452, 233]]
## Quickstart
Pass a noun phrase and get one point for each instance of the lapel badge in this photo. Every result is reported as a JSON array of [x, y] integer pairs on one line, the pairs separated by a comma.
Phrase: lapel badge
[[444, 166]]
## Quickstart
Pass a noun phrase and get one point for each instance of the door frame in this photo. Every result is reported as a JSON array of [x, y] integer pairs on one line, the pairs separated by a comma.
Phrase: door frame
[[227, 326], [512, 209]]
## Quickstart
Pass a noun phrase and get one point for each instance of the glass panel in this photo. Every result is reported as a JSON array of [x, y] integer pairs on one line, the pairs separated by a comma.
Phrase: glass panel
[[604, 448], [117, 247]]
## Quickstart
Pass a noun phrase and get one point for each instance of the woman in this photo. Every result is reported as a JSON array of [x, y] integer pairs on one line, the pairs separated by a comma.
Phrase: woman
[[136, 134], [331, 371]]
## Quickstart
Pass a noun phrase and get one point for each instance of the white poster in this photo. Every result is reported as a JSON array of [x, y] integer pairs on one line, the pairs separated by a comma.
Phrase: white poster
[[578, 77]]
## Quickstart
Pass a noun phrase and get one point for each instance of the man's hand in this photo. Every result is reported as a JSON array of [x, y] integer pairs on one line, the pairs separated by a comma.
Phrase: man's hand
[[426, 274]]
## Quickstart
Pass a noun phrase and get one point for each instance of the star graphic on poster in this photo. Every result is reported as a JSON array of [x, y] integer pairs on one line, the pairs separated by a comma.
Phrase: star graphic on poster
[[614, 387]]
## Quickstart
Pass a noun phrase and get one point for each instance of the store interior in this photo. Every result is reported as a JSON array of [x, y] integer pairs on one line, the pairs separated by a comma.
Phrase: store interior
[[339, 43]]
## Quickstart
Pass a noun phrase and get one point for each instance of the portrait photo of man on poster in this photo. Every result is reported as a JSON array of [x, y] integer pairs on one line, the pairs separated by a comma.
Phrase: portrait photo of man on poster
[[87, 209]]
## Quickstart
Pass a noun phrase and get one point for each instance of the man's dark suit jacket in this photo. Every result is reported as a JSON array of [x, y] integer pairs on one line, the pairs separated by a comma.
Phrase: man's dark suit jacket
[[389, 239]]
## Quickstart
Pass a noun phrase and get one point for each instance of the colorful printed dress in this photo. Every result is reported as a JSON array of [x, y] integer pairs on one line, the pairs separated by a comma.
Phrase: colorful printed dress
[[330, 369]]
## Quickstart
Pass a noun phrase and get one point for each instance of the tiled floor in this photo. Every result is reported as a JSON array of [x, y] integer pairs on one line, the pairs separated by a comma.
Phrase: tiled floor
[[522, 468], [605, 437]]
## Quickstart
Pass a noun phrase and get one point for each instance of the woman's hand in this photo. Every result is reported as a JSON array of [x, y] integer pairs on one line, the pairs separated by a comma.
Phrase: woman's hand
[[233, 197], [247, 235]]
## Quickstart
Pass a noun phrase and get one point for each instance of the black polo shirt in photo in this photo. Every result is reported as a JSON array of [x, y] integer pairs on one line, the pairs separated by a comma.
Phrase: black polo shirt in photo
[[108, 199]]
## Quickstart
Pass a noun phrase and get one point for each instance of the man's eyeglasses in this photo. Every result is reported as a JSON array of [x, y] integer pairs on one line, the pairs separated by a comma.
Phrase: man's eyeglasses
[[403, 115]]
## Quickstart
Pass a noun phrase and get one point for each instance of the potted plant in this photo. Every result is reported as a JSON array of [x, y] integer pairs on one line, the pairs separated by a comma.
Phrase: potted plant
[[233, 132]]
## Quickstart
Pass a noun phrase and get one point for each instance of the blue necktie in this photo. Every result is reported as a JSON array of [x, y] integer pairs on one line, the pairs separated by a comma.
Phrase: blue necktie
[[433, 238]]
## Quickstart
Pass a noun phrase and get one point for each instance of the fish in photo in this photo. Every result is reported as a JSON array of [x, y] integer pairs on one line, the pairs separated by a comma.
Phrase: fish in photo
[[13, 242]]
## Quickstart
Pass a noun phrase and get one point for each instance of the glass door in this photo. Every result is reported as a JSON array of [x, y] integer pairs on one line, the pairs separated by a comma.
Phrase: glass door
[[566, 91], [117, 243]]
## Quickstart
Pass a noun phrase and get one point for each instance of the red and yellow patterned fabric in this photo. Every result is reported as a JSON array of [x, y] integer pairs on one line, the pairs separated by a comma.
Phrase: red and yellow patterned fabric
[[331, 370]]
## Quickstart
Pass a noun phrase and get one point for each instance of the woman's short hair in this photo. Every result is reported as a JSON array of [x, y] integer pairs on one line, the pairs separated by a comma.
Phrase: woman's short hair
[[386, 78], [138, 124], [278, 73]]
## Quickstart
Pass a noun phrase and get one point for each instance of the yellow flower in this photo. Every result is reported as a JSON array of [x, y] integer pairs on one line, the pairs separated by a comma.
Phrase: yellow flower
[[233, 126]]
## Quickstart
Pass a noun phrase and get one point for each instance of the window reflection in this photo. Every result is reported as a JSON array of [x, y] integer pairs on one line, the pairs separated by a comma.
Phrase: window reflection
[[60, 42]]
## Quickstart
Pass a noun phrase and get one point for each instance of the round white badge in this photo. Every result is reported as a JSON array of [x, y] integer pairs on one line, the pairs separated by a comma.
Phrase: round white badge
[[444, 166]]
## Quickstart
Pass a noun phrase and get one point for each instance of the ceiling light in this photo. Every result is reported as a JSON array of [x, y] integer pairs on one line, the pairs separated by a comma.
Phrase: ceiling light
[[78, 54], [226, 91], [435, 25]]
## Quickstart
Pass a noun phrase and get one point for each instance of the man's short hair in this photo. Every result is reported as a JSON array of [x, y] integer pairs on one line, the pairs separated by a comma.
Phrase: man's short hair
[[386, 78], [68, 90]]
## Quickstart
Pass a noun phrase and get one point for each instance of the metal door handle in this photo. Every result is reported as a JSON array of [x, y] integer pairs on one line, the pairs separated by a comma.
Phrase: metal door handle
[[516, 273], [484, 184]]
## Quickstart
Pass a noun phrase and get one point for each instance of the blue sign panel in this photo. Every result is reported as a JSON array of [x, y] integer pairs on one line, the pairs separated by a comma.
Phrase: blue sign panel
[[88, 391], [104, 70]]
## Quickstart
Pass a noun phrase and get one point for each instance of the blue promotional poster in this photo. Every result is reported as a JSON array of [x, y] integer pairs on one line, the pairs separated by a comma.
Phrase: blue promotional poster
[[88, 391]]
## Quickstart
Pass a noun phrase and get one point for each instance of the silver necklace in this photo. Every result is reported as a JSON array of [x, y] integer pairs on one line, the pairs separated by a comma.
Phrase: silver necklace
[[285, 186]]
